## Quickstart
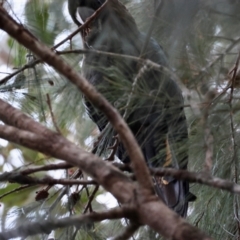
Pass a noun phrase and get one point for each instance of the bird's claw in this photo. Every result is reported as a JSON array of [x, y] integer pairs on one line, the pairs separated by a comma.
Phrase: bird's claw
[[161, 181]]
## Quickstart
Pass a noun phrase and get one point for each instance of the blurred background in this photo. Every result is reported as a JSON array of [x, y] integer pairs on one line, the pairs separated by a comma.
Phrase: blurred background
[[201, 39]]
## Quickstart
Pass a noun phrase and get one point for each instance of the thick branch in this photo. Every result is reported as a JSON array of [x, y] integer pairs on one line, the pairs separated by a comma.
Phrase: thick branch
[[156, 216], [57, 146]]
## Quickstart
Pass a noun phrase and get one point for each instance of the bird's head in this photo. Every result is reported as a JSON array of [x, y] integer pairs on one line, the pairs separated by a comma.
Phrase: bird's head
[[112, 17], [80, 10]]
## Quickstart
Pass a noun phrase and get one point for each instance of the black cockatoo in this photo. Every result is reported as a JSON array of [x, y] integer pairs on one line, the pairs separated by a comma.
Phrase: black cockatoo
[[150, 101]]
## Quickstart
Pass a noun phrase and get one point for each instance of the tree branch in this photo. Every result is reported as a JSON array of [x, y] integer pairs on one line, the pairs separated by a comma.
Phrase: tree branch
[[46, 226], [57, 146], [202, 177], [7, 175], [193, 177], [48, 167], [21, 179]]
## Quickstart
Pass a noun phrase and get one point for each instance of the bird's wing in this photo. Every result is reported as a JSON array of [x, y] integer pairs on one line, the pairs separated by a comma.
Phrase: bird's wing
[[156, 115]]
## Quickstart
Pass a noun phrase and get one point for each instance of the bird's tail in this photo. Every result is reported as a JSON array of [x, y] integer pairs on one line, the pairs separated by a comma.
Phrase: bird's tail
[[173, 193]]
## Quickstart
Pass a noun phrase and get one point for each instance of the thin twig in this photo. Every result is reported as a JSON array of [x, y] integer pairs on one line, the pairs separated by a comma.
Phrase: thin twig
[[8, 175], [88, 194], [22, 179], [90, 199], [15, 190], [201, 177], [52, 115], [48, 167]]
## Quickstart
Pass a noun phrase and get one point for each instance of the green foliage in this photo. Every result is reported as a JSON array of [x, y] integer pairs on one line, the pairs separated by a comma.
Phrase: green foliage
[[37, 16], [18, 51]]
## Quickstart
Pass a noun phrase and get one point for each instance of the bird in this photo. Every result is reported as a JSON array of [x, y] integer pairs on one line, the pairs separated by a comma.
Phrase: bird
[[150, 101]]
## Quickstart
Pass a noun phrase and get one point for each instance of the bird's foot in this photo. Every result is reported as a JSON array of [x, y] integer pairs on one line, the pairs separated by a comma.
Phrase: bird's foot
[[160, 181]]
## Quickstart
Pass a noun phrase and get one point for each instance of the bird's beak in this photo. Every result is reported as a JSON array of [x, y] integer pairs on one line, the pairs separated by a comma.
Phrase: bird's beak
[[84, 13]]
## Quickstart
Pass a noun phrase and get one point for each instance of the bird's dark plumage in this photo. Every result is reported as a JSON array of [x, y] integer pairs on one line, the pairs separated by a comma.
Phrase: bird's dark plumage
[[155, 112]]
